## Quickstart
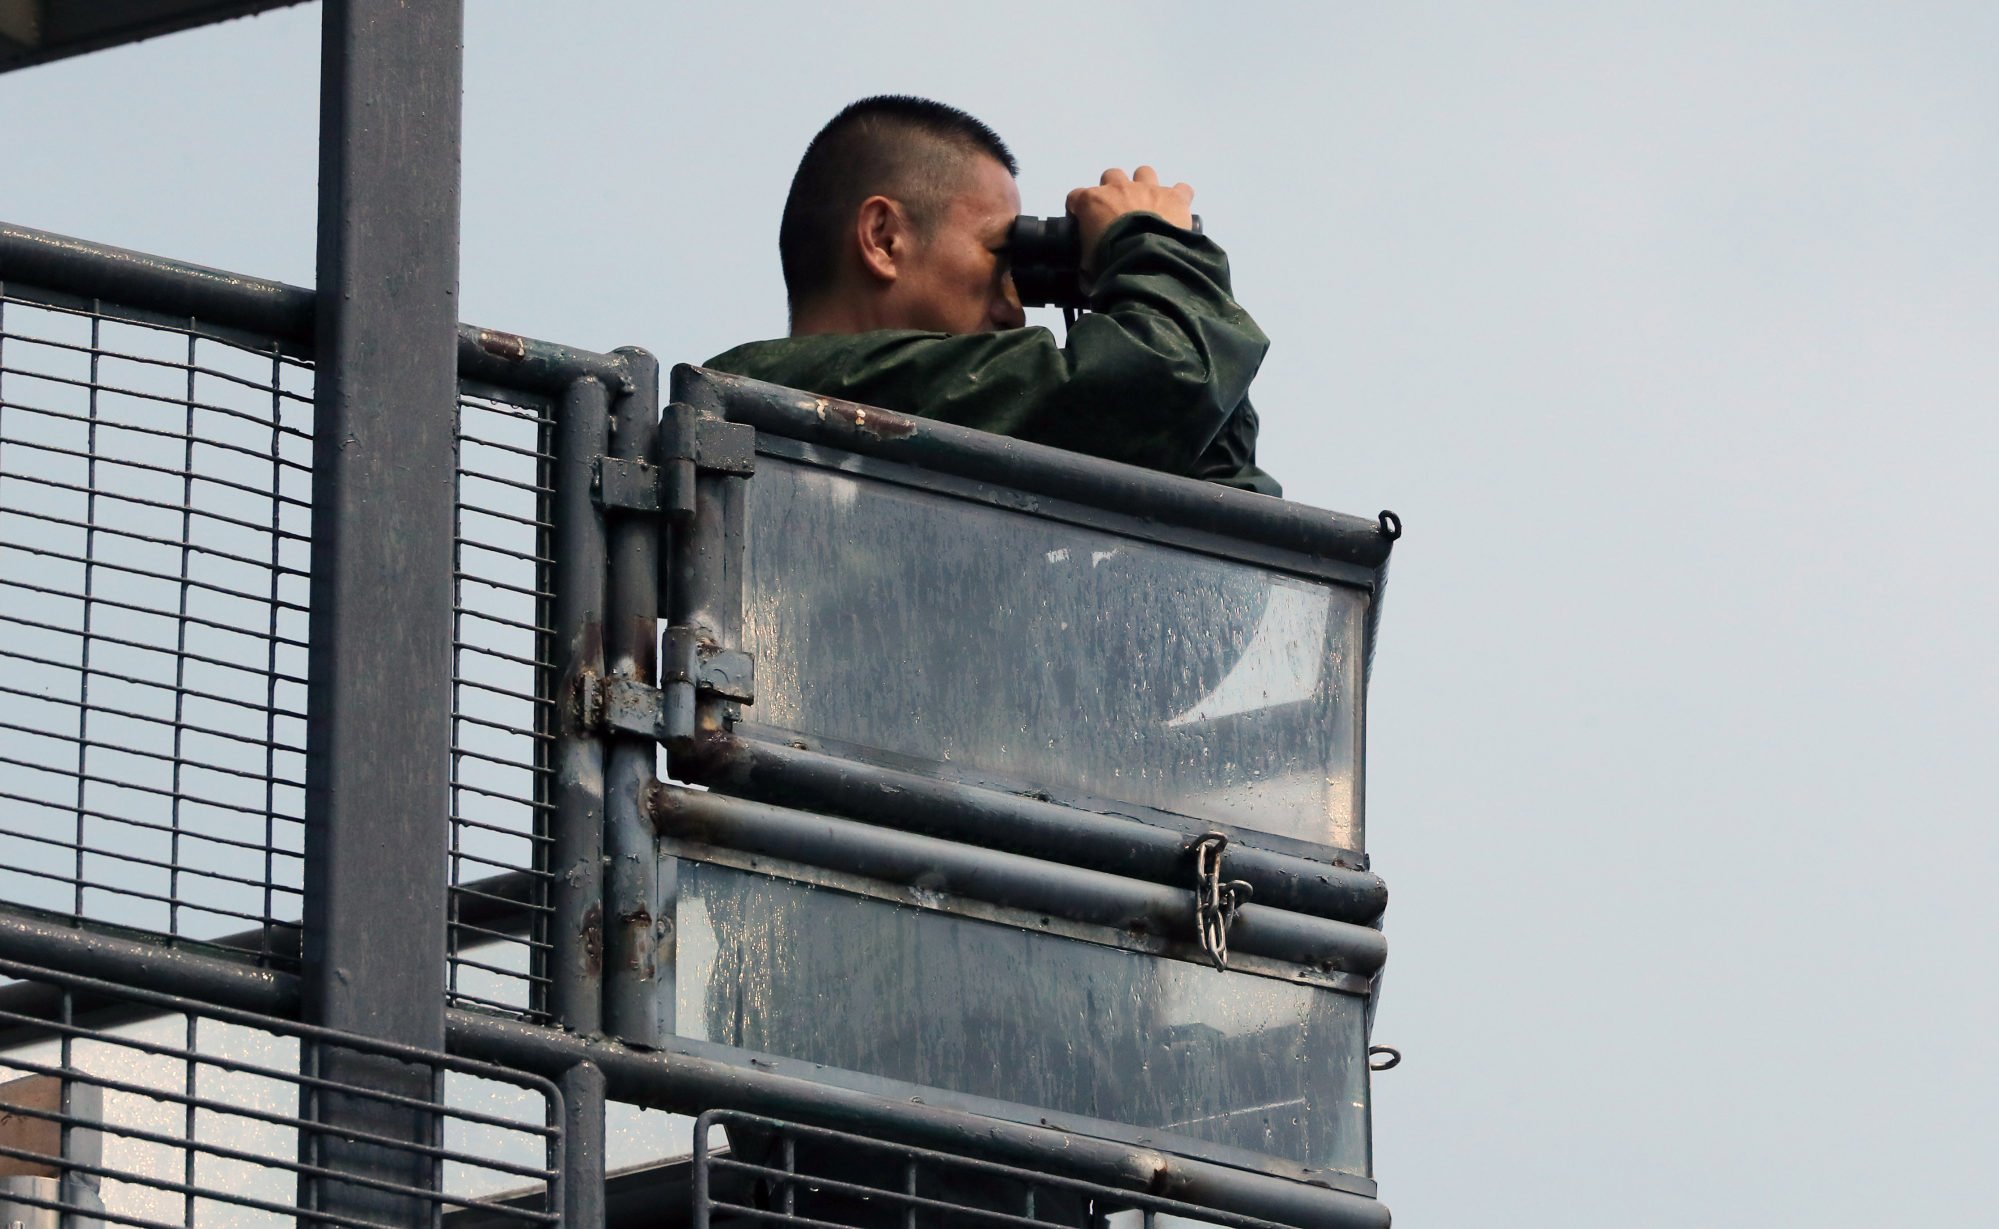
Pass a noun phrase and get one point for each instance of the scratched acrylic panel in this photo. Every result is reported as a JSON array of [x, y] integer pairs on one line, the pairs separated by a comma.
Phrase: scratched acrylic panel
[[976, 1007], [1054, 655]]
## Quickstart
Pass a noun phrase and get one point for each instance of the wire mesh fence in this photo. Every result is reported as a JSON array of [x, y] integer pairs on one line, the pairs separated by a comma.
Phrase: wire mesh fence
[[155, 503], [121, 1106], [154, 506], [766, 1171], [502, 730]]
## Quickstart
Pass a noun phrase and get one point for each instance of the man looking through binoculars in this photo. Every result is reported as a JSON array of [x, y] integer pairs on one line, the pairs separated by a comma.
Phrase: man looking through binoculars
[[896, 245]]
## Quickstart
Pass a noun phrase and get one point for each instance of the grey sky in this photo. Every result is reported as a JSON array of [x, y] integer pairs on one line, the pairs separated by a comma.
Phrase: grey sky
[[1670, 332]]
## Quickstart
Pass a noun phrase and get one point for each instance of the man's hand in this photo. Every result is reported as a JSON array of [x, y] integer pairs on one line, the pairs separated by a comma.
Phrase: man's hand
[[1118, 194]]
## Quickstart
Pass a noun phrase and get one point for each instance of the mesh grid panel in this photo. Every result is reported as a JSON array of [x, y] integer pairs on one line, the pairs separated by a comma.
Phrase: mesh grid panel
[[501, 734], [155, 501], [154, 504]]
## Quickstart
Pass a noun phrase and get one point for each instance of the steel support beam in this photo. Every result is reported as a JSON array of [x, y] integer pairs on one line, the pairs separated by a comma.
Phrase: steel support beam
[[638, 964], [576, 973], [378, 705]]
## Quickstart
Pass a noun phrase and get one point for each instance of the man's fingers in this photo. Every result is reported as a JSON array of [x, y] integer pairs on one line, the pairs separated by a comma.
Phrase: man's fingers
[[1114, 176], [1184, 191], [1145, 174]]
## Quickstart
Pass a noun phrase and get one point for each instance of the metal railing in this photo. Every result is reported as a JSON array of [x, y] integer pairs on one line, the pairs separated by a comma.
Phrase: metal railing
[[786, 1173], [154, 506], [155, 497], [503, 732], [155, 1109]]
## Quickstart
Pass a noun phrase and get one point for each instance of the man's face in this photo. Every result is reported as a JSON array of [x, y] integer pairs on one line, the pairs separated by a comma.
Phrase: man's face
[[955, 279]]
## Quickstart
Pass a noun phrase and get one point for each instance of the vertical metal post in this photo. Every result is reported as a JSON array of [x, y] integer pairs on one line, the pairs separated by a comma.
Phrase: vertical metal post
[[637, 911], [698, 1186], [378, 707], [706, 587], [583, 1148], [576, 974], [706, 593]]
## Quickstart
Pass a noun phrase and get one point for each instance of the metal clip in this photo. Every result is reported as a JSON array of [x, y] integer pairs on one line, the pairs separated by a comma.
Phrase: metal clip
[[1215, 902], [629, 486]]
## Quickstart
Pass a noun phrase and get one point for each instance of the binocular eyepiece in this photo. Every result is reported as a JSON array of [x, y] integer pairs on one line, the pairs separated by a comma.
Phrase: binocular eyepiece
[[1047, 259]]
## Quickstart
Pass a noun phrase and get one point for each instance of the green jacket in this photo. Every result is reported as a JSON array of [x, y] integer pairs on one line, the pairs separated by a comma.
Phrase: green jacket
[[1156, 374]]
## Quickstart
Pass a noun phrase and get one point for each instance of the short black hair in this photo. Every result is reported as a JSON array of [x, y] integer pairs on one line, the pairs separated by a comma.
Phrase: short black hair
[[892, 145]]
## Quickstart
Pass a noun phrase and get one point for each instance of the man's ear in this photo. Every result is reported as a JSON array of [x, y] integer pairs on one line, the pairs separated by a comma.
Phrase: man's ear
[[882, 233]]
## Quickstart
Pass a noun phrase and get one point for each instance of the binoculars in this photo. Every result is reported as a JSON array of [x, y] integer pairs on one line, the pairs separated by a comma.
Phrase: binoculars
[[1047, 258]]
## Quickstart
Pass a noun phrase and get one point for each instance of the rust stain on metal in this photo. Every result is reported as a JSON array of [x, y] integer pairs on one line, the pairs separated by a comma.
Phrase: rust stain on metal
[[645, 656], [582, 691], [593, 940], [670, 818], [510, 346], [638, 929], [583, 706], [882, 424]]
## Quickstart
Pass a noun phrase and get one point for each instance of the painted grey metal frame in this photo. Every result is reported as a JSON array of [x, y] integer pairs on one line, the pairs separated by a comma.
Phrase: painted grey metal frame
[[1045, 482], [377, 746], [389, 357], [387, 951], [694, 1077], [1317, 908], [976, 828]]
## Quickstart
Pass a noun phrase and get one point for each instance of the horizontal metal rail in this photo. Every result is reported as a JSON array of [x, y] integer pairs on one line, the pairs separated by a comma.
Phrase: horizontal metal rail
[[154, 964], [687, 1076], [992, 818], [77, 268], [1015, 880], [1038, 469]]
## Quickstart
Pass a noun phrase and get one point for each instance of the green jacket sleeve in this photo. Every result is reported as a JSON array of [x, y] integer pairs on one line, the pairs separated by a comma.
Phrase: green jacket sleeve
[[1230, 459], [1150, 376]]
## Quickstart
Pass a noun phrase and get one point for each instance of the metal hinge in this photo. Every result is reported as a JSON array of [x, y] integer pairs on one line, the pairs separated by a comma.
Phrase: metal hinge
[[688, 655], [689, 443], [1215, 902], [625, 706], [713, 444]]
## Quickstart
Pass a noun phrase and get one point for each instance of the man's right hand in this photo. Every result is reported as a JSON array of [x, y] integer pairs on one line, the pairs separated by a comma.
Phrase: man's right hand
[[1118, 194]]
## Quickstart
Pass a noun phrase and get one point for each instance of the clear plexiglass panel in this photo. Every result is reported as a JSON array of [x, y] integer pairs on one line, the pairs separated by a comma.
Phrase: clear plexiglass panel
[[981, 1008], [1048, 653]]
